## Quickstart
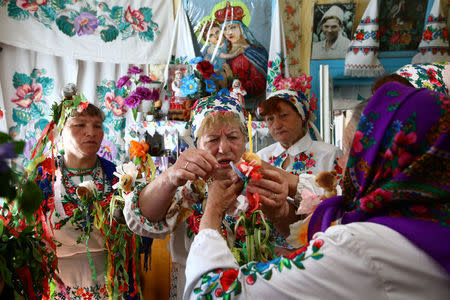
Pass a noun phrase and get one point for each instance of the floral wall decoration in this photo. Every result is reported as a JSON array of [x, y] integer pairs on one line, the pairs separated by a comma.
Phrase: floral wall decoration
[[89, 18], [112, 103], [31, 107], [291, 13]]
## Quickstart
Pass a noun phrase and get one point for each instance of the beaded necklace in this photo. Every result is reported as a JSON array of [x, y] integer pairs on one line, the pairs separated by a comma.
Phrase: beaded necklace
[[98, 177]]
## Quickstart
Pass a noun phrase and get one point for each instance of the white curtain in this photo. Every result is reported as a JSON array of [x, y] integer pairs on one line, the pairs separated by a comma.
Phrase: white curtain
[[30, 82], [45, 46]]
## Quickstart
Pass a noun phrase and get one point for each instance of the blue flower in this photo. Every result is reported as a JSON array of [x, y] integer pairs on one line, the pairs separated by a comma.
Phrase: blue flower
[[189, 85], [224, 92], [196, 60], [210, 86]]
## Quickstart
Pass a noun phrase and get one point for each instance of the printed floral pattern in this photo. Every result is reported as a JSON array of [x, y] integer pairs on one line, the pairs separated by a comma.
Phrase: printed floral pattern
[[301, 163], [427, 75], [32, 109], [394, 163], [291, 15], [224, 284], [83, 293], [89, 18], [112, 102]]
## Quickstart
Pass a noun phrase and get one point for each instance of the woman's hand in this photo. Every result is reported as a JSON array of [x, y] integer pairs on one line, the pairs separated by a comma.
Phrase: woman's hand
[[273, 191], [192, 164], [221, 196]]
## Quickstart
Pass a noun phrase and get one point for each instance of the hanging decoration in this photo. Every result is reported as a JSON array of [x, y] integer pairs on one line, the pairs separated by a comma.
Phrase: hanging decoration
[[362, 56], [434, 46], [112, 31]]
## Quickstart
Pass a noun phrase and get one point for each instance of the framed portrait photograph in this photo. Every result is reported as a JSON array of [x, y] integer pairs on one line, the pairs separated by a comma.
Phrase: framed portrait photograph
[[332, 30], [401, 24], [235, 37]]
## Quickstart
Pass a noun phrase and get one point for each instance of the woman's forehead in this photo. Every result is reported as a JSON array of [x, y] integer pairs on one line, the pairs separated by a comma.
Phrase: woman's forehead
[[85, 118], [223, 129]]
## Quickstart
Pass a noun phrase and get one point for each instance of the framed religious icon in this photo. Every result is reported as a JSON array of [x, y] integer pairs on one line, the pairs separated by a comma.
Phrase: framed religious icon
[[401, 24], [332, 33], [235, 37]]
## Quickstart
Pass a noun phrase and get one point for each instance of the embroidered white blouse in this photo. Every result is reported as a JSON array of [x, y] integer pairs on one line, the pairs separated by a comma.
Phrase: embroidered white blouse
[[354, 261], [306, 156]]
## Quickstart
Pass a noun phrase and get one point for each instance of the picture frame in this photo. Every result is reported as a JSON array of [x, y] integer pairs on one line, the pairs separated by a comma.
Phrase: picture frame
[[332, 30], [401, 24], [233, 57]]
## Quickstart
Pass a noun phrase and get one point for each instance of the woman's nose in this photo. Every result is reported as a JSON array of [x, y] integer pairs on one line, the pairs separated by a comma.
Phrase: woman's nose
[[276, 122], [224, 146]]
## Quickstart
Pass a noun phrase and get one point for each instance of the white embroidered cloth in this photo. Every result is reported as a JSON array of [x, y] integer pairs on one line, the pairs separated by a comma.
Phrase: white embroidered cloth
[[118, 31], [362, 56], [434, 46]]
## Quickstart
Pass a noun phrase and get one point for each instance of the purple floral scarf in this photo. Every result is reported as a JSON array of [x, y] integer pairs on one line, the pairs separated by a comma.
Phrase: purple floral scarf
[[398, 173]]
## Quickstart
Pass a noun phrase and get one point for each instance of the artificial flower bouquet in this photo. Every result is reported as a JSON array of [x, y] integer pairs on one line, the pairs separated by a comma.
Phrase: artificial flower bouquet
[[257, 244], [27, 257], [200, 82], [136, 91]]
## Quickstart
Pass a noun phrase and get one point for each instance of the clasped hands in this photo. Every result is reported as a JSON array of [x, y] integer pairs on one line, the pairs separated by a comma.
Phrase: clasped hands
[[225, 185]]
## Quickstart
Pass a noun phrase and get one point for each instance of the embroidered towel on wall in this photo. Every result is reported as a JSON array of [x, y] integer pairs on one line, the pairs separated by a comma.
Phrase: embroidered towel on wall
[[116, 31], [277, 65], [434, 46], [31, 82], [362, 56]]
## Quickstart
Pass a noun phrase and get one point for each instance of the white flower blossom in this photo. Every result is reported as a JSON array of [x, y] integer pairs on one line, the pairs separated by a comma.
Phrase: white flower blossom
[[126, 170], [90, 185]]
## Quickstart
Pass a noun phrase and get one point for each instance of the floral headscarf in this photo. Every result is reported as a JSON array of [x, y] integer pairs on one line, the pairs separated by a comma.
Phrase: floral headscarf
[[427, 75], [398, 173], [293, 91], [205, 106]]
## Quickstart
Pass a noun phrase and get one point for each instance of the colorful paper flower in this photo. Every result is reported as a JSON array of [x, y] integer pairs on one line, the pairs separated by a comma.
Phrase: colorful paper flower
[[189, 85]]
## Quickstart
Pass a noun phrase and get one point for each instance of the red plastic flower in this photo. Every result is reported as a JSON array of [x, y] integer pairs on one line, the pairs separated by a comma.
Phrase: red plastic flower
[[206, 68], [136, 19], [228, 277], [303, 83], [82, 106]]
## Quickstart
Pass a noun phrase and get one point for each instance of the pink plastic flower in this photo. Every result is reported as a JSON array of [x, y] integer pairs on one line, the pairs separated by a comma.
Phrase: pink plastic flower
[[136, 19], [115, 103], [26, 94], [303, 83], [285, 84]]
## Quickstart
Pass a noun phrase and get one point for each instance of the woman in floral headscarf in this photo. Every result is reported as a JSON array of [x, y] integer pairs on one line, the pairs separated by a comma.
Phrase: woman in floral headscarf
[[172, 203], [433, 76], [392, 241]]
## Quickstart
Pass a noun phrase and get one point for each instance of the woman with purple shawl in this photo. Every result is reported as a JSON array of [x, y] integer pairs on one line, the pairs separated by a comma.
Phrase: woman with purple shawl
[[386, 237]]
